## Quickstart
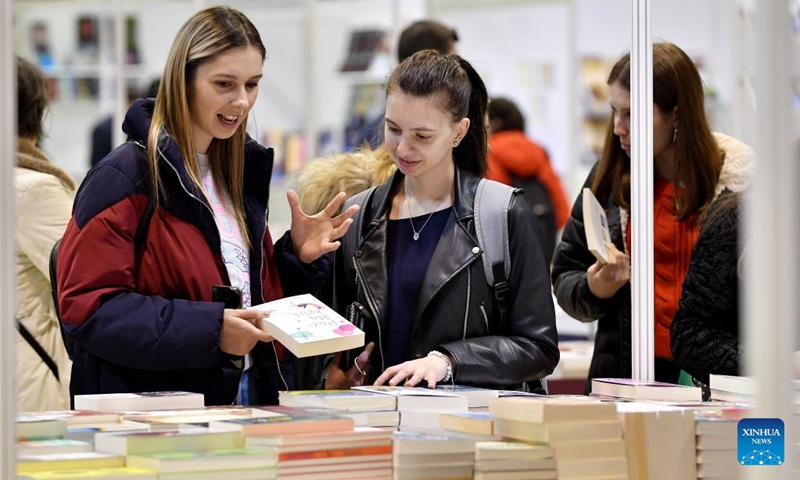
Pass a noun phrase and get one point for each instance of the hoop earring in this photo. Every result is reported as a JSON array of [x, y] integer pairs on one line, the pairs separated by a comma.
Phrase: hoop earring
[[674, 134]]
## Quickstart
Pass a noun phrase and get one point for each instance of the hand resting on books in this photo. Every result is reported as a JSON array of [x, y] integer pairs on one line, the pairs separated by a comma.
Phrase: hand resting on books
[[315, 235], [355, 376], [432, 369], [605, 280], [239, 334]]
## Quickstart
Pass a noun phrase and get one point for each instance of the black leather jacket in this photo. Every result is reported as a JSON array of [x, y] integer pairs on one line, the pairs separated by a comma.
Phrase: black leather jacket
[[457, 312]]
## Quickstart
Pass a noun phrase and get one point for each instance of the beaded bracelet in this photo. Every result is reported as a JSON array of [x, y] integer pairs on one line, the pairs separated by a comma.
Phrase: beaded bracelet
[[448, 376]]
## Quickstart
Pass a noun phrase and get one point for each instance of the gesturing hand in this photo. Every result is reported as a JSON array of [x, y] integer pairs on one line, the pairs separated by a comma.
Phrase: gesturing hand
[[432, 369], [240, 332], [355, 376], [605, 280], [316, 235]]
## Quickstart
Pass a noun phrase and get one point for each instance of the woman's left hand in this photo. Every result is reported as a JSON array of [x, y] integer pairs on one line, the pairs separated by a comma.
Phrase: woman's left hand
[[432, 369], [316, 235]]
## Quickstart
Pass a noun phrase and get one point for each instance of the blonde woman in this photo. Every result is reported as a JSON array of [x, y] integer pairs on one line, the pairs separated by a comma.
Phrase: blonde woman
[[143, 316]]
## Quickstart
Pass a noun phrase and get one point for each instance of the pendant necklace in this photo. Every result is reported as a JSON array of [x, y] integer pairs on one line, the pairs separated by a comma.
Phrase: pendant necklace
[[408, 205]]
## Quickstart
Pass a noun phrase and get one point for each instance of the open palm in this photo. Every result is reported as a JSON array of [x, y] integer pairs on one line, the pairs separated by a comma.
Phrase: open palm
[[316, 235]]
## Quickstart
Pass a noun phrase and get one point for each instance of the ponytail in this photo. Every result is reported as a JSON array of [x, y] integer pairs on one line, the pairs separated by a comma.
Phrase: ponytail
[[470, 154]]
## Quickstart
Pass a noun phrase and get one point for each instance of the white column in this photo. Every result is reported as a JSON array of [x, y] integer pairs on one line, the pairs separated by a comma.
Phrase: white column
[[642, 273], [120, 90], [8, 140], [311, 126], [771, 234]]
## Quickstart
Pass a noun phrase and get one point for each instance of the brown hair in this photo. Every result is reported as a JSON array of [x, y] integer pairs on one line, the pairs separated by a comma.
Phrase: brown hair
[[461, 93], [31, 99], [208, 33], [698, 158], [425, 35]]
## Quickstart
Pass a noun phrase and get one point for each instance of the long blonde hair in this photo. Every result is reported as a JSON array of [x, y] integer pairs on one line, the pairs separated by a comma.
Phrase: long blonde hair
[[207, 34]]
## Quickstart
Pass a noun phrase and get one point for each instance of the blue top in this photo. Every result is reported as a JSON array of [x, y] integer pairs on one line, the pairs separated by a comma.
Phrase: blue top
[[407, 263]]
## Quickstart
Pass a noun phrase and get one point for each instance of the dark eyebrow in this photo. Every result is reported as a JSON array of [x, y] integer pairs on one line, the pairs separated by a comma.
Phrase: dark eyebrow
[[415, 129]]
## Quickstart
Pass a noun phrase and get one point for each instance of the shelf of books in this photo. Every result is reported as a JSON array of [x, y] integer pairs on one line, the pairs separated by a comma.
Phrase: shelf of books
[[625, 430]]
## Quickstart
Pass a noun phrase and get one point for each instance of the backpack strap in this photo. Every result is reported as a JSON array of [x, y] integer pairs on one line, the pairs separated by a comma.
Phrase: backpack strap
[[352, 239], [37, 347], [492, 202]]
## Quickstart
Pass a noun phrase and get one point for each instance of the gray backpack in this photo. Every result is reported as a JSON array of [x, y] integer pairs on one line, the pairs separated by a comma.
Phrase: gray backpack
[[492, 202]]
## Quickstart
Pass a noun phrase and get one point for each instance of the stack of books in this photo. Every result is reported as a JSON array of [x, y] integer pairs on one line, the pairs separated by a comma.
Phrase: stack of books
[[717, 440], [641, 390], [367, 409], [420, 408], [424, 456], [659, 439], [514, 461], [362, 452], [730, 388], [585, 435], [477, 398]]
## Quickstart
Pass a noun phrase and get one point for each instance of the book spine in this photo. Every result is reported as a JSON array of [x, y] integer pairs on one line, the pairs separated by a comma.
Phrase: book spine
[[334, 453]]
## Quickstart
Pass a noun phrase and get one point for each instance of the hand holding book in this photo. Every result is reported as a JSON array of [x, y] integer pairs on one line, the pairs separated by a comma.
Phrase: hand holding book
[[606, 279], [240, 333]]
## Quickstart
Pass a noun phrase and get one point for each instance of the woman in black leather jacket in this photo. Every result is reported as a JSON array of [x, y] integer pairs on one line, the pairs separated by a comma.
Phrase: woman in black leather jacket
[[415, 281]]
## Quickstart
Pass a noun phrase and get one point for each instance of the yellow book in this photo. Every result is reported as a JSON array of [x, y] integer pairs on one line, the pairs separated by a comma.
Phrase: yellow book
[[122, 473], [68, 461]]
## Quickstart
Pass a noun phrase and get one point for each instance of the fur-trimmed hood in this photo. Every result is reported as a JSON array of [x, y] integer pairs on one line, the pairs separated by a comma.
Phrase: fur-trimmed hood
[[30, 157], [740, 161], [352, 172]]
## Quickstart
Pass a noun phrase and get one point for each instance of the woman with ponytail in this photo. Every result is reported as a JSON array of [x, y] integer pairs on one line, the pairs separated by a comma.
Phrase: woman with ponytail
[[414, 280]]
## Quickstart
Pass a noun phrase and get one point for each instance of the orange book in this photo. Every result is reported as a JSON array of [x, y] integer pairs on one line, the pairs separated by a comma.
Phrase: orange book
[[335, 453]]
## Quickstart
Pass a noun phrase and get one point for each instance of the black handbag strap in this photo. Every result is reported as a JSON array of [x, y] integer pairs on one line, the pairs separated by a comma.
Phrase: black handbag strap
[[28, 336]]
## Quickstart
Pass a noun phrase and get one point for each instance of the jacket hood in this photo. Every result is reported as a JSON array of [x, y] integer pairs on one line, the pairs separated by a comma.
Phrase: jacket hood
[[740, 161], [30, 157], [258, 159], [137, 121]]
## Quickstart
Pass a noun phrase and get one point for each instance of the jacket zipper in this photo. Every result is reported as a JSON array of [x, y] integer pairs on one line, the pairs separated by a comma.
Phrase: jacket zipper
[[374, 308], [469, 296], [241, 374], [485, 317]]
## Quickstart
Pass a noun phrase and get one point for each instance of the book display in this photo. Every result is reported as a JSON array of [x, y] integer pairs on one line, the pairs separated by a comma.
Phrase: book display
[[425, 434]]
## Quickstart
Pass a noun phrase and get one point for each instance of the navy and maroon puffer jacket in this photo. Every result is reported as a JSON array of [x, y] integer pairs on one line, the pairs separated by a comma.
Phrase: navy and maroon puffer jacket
[[148, 323]]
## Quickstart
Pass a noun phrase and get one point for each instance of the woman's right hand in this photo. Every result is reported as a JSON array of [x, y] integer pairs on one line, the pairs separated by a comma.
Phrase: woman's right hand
[[339, 379], [606, 279], [240, 331]]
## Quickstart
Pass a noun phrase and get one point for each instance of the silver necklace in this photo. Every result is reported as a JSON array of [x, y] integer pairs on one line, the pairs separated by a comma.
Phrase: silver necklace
[[408, 205]]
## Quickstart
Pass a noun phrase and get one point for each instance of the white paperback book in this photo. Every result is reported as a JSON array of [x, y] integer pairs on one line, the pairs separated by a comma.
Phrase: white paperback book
[[143, 401], [307, 327], [595, 224]]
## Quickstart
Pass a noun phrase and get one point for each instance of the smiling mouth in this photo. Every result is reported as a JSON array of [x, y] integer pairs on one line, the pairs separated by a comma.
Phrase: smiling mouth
[[229, 119]]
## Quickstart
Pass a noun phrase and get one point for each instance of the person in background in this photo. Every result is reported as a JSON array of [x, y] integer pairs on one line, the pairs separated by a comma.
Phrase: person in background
[[103, 132], [705, 331], [420, 35], [692, 166], [43, 204], [416, 282], [144, 317], [516, 160]]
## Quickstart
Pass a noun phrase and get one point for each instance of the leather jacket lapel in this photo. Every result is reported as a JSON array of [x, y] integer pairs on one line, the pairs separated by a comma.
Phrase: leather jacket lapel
[[452, 254]]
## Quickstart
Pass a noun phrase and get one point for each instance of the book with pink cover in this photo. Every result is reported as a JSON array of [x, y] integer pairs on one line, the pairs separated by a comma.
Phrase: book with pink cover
[[630, 388], [308, 327]]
